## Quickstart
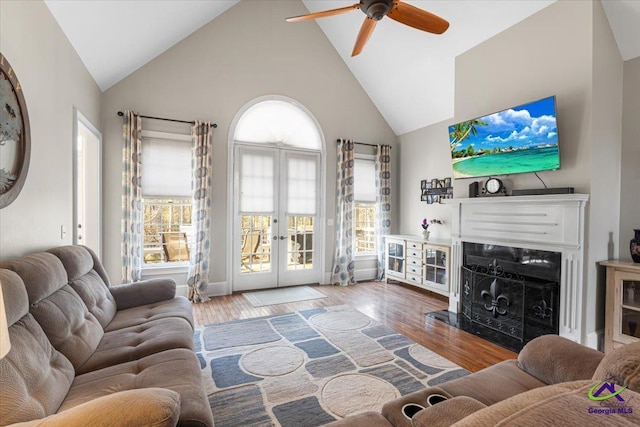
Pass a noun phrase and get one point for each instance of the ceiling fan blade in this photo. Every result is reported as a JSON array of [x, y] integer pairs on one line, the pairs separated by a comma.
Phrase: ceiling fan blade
[[363, 36], [323, 14], [417, 18]]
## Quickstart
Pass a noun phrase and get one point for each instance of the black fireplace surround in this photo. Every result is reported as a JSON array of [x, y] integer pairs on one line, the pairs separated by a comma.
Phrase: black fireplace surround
[[509, 295]]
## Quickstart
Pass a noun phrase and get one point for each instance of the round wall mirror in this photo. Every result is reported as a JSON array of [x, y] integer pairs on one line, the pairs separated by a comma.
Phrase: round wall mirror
[[15, 138]]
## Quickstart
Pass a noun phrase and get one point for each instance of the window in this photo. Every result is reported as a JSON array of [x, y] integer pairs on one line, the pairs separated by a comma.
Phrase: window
[[166, 197], [167, 230], [364, 190], [280, 121]]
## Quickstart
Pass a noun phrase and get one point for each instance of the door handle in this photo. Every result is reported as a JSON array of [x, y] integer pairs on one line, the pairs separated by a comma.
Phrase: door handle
[[283, 237]]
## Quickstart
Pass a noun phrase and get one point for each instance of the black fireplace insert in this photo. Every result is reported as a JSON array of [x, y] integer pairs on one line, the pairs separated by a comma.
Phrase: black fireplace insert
[[508, 295]]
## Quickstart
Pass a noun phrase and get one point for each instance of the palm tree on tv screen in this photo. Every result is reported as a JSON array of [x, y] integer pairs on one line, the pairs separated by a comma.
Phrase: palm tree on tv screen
[[461, 131]]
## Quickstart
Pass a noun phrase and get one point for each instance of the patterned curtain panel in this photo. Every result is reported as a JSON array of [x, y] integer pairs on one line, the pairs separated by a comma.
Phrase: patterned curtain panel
[[383, 203], [198, 280], [131, 198], [343, 260]]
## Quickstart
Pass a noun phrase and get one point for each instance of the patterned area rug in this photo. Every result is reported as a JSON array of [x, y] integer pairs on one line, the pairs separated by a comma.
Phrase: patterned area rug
[[282, 296], [310, 367]]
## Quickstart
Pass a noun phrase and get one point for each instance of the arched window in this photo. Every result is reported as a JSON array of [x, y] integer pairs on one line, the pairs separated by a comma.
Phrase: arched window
[[278, 121]]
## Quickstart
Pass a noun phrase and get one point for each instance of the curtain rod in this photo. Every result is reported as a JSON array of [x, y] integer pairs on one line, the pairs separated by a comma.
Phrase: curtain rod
[[363, 143], [213, 125]]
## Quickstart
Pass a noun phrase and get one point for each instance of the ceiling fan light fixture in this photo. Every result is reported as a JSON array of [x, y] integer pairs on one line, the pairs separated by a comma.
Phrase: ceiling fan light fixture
[[376, 9]]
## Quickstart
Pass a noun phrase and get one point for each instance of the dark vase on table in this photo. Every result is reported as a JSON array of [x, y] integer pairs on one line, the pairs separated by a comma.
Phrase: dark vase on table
[[634, 246]]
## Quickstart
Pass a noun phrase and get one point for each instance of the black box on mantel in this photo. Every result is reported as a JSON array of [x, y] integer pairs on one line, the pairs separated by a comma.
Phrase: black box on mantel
[[540, 191]]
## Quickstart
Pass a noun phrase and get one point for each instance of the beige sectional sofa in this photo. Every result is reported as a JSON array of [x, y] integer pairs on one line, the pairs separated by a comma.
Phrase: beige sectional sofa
[[84, 352], [548, 385]]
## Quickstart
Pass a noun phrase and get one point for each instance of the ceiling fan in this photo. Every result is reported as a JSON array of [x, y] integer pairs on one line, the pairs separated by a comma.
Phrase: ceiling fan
[[378, 9]]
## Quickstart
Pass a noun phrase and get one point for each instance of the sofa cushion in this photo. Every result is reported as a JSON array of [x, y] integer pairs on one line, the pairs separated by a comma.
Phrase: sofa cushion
[[176, 307], [57, 307], [553, 359], [136, 342], [177, 370], [143, 292], [621, 366], [564, 404], [88, 278], [150, 407], [493, 384], [446, 413], [34, 377]]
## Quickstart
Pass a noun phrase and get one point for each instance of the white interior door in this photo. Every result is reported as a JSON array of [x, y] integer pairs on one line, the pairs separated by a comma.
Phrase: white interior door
[[87, 185], [275, 218]]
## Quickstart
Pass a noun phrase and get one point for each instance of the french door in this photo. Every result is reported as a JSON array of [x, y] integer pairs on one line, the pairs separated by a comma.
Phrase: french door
[[276, 201]]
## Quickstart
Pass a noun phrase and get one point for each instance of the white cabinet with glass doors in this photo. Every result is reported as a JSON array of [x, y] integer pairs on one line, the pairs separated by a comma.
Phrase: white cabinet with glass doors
[[424, 263]]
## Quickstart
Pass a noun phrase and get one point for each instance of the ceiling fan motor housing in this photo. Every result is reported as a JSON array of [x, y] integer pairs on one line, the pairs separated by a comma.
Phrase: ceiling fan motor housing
[[376, 9]]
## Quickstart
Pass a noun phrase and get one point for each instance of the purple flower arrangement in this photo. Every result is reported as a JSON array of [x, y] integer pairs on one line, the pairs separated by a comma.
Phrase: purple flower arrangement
[[426, 223]]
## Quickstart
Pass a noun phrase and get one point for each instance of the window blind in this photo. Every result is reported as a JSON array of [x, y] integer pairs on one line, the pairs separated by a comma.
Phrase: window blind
[[256, 182], [364, 180], [166, 168], [301, 185]]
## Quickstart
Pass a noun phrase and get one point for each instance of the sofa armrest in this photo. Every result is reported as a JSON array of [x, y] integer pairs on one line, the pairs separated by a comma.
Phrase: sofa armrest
[[447, 413], [157, 407], [143, 292], [553, 359]]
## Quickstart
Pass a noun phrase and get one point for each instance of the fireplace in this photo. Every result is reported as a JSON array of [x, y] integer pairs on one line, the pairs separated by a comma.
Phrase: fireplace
[[517, 266], [510, 291]]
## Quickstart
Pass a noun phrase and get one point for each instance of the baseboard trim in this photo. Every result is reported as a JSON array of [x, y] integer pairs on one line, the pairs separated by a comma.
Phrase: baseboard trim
[[361, 275], [215, 289]]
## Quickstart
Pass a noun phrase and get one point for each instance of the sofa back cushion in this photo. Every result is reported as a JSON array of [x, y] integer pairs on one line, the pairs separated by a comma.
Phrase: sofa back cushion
[[88, 278], [621, 366], [61, 313], [34, 377]]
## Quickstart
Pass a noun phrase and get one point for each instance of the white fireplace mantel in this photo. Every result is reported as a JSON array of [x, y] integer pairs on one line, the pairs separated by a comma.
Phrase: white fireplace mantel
[[552, 222]]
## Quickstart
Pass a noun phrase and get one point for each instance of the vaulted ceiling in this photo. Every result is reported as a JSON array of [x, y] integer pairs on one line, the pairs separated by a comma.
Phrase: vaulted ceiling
[[408, 74]]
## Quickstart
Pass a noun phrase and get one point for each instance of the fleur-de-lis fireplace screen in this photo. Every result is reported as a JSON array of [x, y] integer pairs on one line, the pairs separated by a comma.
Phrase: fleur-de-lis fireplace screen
[[15, 139]]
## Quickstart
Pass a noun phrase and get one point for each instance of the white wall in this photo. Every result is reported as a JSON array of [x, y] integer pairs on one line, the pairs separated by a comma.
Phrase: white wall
[[247, 52], [54, 80], [630, 178]]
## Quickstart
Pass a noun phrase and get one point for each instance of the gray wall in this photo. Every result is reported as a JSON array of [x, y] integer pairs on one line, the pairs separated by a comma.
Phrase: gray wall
[[566, 50], [630, 185], [247, 52], [606, 141], [54, 80], [424, 155]]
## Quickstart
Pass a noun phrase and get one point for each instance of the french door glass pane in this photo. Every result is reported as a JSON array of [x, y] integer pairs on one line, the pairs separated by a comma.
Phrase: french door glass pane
[[257, 182], [255, 235], [300, 235], [301, 185]]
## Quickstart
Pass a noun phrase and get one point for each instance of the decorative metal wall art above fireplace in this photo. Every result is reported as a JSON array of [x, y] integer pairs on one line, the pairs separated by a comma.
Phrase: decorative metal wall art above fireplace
[[512, 291]]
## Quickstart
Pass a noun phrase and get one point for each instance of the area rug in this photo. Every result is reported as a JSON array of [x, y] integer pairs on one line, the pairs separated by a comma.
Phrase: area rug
[[310, 367], [282, 296]]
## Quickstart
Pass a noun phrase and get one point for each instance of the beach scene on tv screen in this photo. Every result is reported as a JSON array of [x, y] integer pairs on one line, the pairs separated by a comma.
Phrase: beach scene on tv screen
[[517, 140]]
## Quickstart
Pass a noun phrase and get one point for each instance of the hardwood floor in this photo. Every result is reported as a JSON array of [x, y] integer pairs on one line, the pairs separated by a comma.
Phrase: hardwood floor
[[400, 307]]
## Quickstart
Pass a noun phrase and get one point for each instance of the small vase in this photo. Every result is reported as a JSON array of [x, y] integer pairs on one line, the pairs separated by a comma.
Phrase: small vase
[[634, 246], [425, 234]]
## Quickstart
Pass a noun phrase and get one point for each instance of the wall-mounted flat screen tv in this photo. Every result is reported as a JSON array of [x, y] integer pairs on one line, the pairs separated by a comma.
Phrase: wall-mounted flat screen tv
[[517, 140]]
